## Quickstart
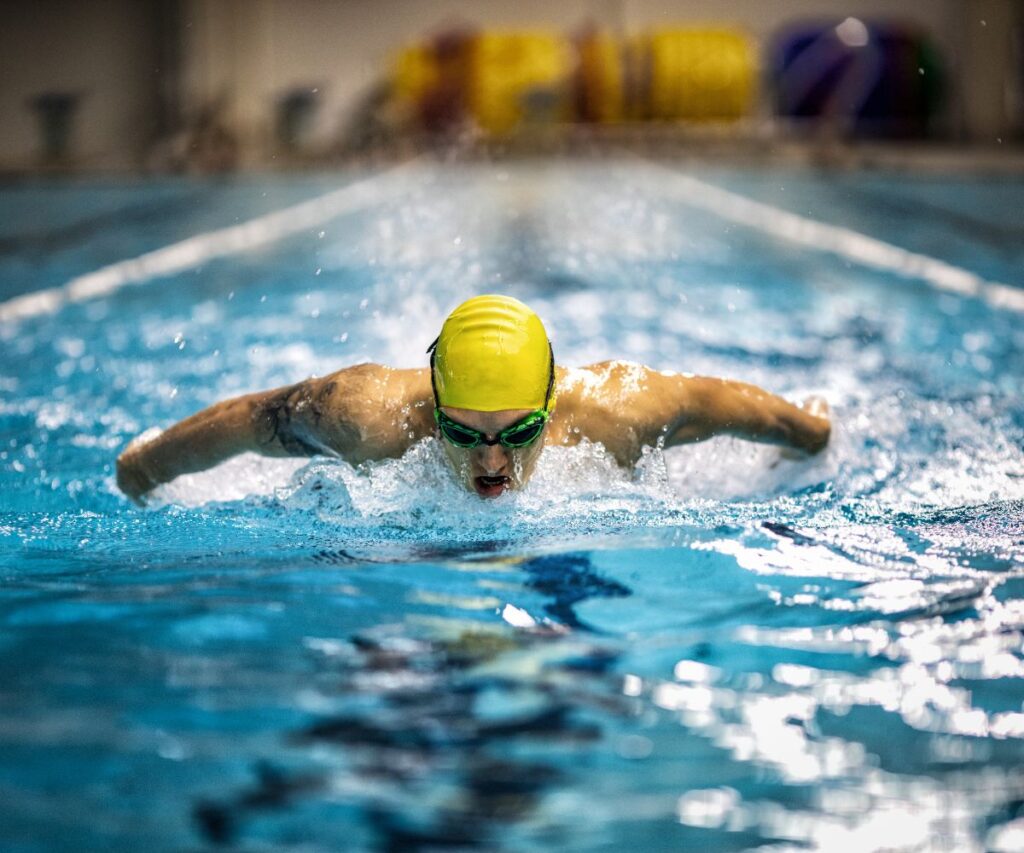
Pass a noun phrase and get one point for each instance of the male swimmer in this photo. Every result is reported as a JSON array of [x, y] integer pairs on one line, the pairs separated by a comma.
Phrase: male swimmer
[[494, 395]]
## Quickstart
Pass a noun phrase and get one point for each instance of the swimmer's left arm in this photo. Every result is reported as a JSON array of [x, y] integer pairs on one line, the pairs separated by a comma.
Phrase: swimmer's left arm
[[686, 409]]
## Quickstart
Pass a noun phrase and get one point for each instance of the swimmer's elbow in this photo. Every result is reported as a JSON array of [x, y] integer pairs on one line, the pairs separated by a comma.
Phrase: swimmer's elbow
[[272, 419], [339, 415], [287, 422]]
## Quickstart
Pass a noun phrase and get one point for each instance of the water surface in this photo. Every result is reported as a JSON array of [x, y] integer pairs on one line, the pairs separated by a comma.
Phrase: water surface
[[722, 650]]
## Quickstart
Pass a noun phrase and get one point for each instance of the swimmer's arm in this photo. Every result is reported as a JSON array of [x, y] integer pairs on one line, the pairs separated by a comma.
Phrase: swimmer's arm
[[706, 407], [346, 414], [199, 442]]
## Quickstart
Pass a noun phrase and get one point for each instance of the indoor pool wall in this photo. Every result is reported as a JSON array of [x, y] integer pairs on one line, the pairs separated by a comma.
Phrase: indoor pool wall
[[724, 649]]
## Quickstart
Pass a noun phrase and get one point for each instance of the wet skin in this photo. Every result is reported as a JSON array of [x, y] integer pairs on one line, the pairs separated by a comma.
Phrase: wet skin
[[370, 412], [490, 470]]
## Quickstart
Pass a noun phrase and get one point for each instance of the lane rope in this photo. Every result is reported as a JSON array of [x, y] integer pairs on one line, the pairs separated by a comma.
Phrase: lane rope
[[268, 228], [194, 251], [835, 239]]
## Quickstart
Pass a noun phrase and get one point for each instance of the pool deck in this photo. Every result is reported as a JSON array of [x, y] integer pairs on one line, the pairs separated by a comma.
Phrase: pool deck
[[751, 145]]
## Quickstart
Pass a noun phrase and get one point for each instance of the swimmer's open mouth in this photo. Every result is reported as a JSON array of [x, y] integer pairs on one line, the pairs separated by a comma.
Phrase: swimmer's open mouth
[[491, 487]]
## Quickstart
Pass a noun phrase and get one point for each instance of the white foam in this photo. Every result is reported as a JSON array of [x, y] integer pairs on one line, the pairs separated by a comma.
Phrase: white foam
[[568, 483], [235, 479]]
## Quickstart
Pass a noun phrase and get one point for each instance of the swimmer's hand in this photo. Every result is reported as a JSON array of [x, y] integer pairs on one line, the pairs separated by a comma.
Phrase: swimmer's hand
[[818, 408], [132, 477], [132, 480]]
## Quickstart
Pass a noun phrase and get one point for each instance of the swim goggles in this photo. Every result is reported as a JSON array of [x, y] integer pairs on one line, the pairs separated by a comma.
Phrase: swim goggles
[[522, 433]]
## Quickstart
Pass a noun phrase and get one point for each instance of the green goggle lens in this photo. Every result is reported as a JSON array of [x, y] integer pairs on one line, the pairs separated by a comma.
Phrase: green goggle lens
[[518, 435], [459, 436], [523, 435]]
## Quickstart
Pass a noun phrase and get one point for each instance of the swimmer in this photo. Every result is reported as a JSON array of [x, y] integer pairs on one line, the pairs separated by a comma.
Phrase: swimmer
[[493, 395]]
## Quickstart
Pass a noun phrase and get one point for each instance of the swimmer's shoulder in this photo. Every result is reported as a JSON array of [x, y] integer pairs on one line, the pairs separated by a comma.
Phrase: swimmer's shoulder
[[611, 383], [594, 402], [592, 394], [373, 385], [620, 403], [367, 410]]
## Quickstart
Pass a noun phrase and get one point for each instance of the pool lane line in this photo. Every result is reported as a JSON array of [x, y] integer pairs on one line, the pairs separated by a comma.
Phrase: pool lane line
[[835, 239], [196, 250]]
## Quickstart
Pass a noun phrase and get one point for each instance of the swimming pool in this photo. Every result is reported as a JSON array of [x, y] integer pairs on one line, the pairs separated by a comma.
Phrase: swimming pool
[[722, 651]]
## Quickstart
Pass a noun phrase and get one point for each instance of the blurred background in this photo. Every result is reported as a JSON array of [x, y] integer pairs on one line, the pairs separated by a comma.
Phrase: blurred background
[[219, 85]]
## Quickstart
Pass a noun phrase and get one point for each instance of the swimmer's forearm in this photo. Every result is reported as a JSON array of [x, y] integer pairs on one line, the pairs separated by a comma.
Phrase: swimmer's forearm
[[718, 406], [280, 422], [194, 444]]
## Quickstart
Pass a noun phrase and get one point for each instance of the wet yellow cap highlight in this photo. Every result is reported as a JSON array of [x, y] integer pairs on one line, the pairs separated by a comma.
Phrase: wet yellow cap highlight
[[493, 354]]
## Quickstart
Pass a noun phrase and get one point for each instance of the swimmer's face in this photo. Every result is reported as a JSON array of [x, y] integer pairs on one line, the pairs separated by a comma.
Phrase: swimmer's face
[[490, 470]]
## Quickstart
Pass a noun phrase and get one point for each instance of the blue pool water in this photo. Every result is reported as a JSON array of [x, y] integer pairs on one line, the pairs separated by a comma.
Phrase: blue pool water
[[720, 651]]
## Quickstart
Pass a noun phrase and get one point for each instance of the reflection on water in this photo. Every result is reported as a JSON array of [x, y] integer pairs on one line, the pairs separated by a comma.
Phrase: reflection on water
[[439, 756]]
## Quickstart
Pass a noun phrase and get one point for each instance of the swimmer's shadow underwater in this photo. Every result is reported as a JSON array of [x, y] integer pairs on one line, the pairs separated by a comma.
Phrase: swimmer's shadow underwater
[[426, 695]]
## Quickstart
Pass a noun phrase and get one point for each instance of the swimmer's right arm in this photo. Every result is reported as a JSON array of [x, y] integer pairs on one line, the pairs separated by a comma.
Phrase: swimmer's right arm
[[344, 414], [194, 444]]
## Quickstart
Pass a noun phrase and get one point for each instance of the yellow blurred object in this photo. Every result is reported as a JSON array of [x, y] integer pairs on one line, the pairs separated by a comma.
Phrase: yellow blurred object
[[693, 74], [519, 77], [415, 73], [503, 80]]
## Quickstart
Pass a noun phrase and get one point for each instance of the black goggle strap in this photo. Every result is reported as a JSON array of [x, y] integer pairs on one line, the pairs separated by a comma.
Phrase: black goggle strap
[[432, 349], [551, 377]]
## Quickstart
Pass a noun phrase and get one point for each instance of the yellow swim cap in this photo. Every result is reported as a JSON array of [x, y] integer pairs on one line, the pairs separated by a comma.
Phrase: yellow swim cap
[[492, 354]]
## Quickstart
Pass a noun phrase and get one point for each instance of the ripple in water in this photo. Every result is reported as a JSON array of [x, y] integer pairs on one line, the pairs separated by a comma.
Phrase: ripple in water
[[721, 650]]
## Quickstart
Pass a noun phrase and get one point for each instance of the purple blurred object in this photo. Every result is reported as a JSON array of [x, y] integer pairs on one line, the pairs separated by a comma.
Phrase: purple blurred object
[[865, 78]]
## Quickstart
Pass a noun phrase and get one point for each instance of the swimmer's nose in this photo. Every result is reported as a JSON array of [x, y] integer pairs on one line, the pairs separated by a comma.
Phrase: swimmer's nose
[[493, 459]]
